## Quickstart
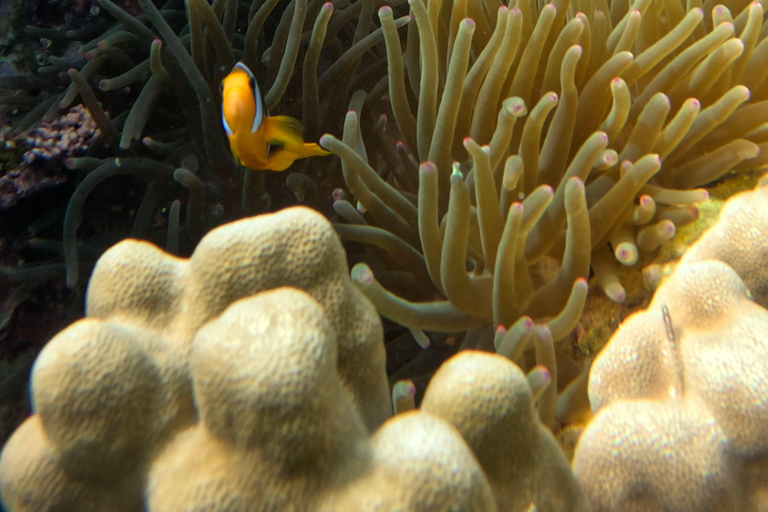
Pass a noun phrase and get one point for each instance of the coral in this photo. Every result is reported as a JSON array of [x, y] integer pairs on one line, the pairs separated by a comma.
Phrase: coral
[[489, 401], [740, 239], [279, 431], [111, 390], [679, 390], [69, 136], [49, 144], [203, 384], [140, 284]]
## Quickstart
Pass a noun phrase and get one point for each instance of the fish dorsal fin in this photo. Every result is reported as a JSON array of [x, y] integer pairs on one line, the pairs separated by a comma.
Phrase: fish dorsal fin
[[261, 109]]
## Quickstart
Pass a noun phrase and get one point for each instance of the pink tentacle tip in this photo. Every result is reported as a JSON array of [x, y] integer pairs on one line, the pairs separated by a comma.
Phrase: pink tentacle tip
[[468, 22], [539, 379], [500, 330], [328, 6], [618, 296], [408, 390], [362, 274], [384, 10], [694, 102], [516, 11], [428, 167]]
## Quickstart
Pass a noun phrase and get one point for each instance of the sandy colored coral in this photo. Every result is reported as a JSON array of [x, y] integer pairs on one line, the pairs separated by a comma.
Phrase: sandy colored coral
[[277, 429], [137, 283], [276, 424], [489, 401], [679, 393], [740, 239], [112, 389]]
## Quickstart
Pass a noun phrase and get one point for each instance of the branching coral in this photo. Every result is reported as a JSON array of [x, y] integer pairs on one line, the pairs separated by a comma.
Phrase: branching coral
[[642, 103]]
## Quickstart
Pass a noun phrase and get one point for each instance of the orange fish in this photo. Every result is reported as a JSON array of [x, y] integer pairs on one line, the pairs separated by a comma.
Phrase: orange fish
[[257, 140]]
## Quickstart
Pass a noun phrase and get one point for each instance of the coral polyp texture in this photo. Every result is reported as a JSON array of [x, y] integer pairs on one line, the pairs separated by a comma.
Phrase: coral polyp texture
[[67, 137], [680, 391], [633, 105], [112, 389], [740, 239], [490, 402], [252, 375], [279, 431]]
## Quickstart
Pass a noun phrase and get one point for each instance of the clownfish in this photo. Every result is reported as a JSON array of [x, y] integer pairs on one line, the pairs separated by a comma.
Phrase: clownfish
[[257, 140]]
